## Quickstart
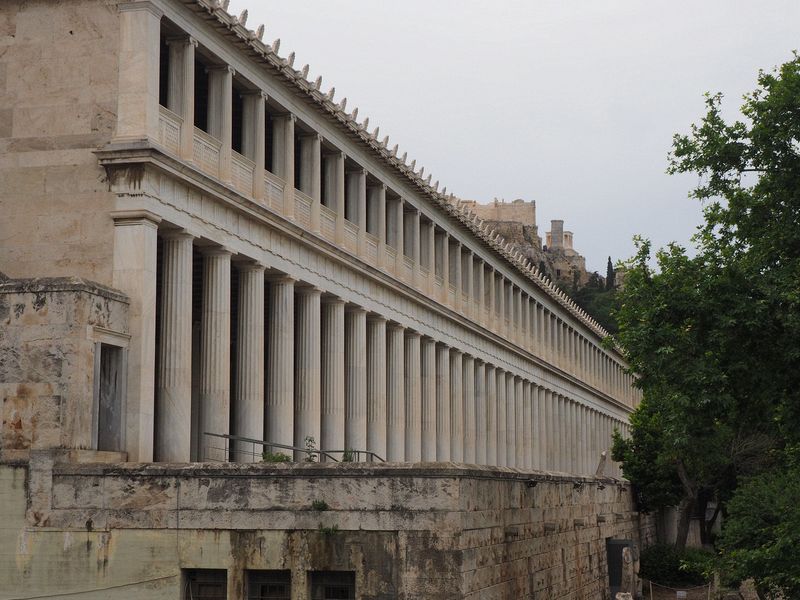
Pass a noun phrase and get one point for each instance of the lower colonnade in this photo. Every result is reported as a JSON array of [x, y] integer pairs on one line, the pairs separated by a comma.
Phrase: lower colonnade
[[247, 350]]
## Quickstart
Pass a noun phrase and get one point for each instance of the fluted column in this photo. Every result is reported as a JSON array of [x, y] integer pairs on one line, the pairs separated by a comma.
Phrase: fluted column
[[468, 391], [563, 447], [332, 371], [457, 275], [413, 391], [443, 439], [526, 460], [456, 406], [479, 314], [248, 404], [551, 433], [539, 429], [355, 380], [376, 385], [572, 437], [584, 446], [511, 421], [279, 407], [309, 180], [307, 416], [253, 137], [428, 398], [215, 354], [283, 158], [220, 111], [395, 393], [502, 423], [491, 415], [466, 276], [501, 307], [180, 99], [480, 413], [174, 395]]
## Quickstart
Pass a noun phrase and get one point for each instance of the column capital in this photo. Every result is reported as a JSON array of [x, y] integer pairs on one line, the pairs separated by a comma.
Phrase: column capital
[[181, 40], [135, 217], [281, 278], [280, 116], [217, 68], [332, 299], [444, 345], [394, 325], [245, 263], [175, 234], [216, 251], [376, 318], [355, 308], [256, 93], [308, 290]]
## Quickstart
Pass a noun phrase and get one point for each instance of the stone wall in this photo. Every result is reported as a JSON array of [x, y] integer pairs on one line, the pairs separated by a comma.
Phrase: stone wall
[[58, 90], [499, 210], [427, 531], [49, 329]]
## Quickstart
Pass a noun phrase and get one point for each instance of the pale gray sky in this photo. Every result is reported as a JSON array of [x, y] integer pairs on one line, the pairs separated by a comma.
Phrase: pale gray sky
[[570, 103]]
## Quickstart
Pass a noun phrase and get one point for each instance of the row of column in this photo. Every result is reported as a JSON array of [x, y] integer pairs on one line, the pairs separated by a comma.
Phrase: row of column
[[346, 378], [491, 299]]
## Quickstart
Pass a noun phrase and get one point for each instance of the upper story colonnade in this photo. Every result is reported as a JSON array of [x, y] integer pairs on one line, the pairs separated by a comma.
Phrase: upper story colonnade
[[291, 276]]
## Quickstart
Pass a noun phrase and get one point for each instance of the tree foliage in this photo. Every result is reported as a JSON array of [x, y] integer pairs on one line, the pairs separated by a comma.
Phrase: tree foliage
[[714, 337]]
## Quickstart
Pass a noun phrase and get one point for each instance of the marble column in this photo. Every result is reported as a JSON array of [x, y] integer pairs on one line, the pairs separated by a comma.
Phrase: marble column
[[443, 416], [180, 97], [413, 399], [309, 179], [551, 437], [540, 429], [220, 111], [526, 460], [355, 379], [457, 275], [445, 268], [307, 370], [466, 276], [502, 423], [376, 385], [491, 415], [456, 406], [511, 421], [174, 377], [134, 273], [332, 374], [395, 393], [215, 353], [491, 322], [428, 398], [572, 438], [253, 137], [248, 404], [584, 440], [561, 423], [479, 314], [501, 307], [283, 158], [468, 391], [480, 413], [279, 407]]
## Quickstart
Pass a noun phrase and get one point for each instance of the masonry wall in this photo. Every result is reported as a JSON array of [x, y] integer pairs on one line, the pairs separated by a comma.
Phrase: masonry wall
[[518, 210], [407, 531], [47, 352], [58, 82]]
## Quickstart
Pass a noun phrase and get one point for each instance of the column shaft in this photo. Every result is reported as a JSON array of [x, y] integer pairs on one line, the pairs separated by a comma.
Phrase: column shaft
[[456, 406], [395, 393], [332, 371], [215, 357], [283, 158], [502, 423], [355, 381], [220, 121], [279, 407], [248, 405], [174, 394], [443, 438], [511, 421], [376, 385], [491, 415], [428, 398], [468, 390], [480, 413], [307, 371], [413, 392], [526, 461]]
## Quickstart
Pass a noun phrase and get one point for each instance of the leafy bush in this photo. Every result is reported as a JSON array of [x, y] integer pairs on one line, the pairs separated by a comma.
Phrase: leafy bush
[[666, 565], [275, 457]]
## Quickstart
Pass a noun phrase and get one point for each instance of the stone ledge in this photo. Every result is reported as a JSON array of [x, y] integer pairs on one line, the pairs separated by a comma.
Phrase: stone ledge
[[39, 285]]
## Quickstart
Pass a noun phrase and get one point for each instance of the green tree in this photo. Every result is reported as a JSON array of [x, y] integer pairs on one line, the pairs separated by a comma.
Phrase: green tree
[[713, 338], [611, 276]]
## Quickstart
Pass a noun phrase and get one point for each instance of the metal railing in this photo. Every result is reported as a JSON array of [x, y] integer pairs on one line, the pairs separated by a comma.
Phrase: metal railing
[[222, 447]]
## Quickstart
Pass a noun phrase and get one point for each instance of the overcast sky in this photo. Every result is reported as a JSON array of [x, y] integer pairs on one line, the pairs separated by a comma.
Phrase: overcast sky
[[572, 104]]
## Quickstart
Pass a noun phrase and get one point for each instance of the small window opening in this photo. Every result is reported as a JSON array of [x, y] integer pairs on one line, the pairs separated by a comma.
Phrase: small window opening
[[205, 584], [269, 585], [108, 397], [333, 585]]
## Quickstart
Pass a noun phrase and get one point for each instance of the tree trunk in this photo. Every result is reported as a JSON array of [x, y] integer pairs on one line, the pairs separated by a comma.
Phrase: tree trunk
[[685, 506], [684, 518]]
